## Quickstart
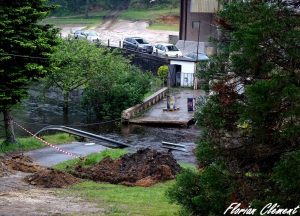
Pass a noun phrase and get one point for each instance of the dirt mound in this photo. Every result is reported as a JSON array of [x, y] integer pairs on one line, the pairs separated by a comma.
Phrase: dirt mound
[[169, 19], [51, 179], [143, 168], [22, 163], [4, 171]]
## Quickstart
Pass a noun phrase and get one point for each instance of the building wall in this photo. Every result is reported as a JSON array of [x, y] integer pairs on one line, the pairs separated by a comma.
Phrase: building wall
[[189, 15], [188, 69]]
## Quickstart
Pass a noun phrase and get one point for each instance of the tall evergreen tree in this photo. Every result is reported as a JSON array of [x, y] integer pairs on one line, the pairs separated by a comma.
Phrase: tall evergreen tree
[[25, 47], [250, 149]]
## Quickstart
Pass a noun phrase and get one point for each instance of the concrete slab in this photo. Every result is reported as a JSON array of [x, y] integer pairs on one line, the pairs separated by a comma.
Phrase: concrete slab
[[157, 116]]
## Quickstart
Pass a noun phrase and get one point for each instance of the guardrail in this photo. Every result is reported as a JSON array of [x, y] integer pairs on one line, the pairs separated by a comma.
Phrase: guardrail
[[104, 140], [148, 102]]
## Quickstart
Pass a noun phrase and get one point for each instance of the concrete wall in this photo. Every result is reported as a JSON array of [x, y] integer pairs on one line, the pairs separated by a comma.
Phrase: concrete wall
[[186, 66], [187, 32], [188, 69], [148, 102]]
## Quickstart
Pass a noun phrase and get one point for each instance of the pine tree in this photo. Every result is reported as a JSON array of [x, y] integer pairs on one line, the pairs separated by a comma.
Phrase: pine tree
[[250, 148], [25, 47]]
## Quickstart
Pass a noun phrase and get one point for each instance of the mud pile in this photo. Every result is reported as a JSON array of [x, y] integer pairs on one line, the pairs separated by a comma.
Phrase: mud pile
[[4, 170], [22, 163], [169, 19], [143, 168], [51, 179]]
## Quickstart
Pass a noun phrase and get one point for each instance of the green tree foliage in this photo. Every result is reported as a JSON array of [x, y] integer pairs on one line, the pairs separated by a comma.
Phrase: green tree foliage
[[80, 6], [120, 86], [74, 63], [66, 7], [251, 120], [163, 72], [210, 187], [25, 47]]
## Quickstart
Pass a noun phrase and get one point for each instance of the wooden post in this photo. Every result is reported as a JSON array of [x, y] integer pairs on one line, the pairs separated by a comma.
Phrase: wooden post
[[108, 43]]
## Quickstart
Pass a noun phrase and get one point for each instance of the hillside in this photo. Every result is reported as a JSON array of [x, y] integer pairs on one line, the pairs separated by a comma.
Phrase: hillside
[[161, 15], [73, 7]]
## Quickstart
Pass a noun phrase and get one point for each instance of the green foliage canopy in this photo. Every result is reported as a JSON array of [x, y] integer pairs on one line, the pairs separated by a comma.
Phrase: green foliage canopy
[[251, 119], [119, 87], [25, 47]]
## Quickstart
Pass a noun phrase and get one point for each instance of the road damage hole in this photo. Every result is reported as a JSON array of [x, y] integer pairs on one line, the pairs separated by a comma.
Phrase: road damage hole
[[144, 168]]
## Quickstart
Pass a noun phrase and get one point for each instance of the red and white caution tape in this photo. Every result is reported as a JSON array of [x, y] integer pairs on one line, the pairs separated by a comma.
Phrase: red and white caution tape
[[47, 143]]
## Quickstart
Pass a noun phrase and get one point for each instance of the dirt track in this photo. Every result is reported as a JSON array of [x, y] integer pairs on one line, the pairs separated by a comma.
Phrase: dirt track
[[117, 30], [44, 202], [19, 198]]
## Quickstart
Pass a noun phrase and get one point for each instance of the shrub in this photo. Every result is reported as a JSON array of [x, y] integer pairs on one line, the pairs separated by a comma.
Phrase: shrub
[[204, 193], [163, 72], [119, 87]]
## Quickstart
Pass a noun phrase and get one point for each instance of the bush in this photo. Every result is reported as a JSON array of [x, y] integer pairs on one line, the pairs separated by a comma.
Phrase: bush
[[251, 119], [163, 72], [206, 154], [119, 87], [204, 193], [286, 177]]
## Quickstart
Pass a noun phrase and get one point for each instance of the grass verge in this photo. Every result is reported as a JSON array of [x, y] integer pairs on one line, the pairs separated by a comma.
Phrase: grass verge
[[90, 159], [94, 19], [164, 26], [30, 143], [123, 200], [151, 14]]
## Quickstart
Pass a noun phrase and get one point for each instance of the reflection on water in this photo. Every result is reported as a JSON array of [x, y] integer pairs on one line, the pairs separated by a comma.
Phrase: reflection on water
[[35, 116]]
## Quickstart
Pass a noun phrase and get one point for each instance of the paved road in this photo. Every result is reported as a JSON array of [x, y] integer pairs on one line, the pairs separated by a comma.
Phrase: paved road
[[50, 157]]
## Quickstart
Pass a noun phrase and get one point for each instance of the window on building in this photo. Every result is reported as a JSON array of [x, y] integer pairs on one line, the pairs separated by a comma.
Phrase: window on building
[[204, 6]]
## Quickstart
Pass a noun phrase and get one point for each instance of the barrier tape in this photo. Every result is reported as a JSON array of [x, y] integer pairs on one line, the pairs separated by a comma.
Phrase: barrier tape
[[47, 143]]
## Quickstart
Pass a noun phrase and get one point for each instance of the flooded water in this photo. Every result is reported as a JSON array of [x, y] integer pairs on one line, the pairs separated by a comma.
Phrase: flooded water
[[35, 115]]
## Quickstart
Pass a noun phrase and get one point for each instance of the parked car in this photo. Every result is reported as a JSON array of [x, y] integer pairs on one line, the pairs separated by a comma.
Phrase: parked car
[[91, 36], [168, 50], [193, 56], [79, 34], [138, 44]]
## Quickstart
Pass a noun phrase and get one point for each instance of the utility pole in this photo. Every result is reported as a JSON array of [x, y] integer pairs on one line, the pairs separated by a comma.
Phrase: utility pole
[[197, 24]]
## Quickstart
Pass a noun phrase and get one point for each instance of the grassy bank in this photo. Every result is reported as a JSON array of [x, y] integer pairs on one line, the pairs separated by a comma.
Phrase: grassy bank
[[122, 200], [164, 26], [90, 159], [150, 14], [94, 19], [30, 143]]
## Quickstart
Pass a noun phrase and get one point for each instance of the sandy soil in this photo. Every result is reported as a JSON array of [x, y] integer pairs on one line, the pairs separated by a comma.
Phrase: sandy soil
[[117, 30], [19, 198]]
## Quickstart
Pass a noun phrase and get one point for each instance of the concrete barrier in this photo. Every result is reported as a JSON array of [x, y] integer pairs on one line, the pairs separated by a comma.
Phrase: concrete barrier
[[147, 103]]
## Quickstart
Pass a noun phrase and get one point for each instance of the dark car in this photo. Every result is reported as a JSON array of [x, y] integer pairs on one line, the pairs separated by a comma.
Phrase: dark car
[[138, 44]]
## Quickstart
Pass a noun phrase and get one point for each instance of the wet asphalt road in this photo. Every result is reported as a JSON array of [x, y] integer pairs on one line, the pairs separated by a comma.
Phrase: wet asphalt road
[[50, 156]]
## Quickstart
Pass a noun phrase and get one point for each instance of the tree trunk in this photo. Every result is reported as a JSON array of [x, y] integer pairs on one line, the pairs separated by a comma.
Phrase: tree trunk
[[66, 108], [9, 128], [87, 7]]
